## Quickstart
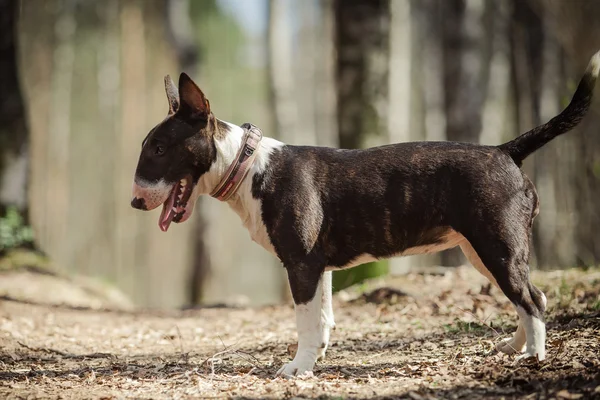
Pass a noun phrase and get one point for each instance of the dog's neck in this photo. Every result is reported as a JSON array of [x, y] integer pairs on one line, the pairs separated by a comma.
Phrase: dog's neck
[[227, 145]]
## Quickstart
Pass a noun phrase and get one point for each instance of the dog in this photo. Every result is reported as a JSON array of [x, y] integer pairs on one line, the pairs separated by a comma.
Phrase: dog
[[321, 209]]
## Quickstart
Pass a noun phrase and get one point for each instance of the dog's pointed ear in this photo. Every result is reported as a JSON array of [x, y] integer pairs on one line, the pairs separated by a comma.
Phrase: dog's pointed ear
[[172, 94], [193, 103]]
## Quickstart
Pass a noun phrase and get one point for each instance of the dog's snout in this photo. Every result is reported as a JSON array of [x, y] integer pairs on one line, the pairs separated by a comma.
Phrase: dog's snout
[[139, 203]]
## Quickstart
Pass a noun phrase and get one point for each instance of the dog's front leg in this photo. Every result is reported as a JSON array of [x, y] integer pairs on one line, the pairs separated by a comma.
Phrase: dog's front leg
[[314, 318], [326, 312]]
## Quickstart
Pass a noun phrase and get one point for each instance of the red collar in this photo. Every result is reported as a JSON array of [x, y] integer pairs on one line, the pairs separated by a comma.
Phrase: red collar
[[238, 169]]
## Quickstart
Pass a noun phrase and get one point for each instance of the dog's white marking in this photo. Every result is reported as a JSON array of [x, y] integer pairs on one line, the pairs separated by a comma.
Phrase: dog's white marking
[[154, 193], [313, 320], [515, 344], [159, 185], [326, 312], [450, 240], [535, 332]]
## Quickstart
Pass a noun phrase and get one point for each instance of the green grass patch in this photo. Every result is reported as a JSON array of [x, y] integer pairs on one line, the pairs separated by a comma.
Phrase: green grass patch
[[23, 258], [459, 326], [348, 277], [14, 232]]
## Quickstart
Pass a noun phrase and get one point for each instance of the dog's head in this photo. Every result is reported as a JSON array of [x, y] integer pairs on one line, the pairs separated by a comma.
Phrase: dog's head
[[175, 154]]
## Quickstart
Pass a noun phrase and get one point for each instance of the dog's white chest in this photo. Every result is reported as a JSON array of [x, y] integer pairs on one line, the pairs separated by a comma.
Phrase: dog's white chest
[[250, 214], [258, 233]]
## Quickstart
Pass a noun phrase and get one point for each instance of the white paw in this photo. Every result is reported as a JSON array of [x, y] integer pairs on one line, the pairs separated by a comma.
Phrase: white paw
[[296, 368], [508, 346]]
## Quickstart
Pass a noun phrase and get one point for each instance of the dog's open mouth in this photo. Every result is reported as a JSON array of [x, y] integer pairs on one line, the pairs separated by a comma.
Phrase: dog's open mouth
[[175, 206]]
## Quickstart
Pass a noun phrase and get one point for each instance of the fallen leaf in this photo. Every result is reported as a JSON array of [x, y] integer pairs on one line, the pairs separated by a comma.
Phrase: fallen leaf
[[565, 394], [292, 349]]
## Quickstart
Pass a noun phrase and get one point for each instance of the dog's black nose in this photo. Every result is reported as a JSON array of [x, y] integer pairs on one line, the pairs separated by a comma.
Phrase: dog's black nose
[[138, 203]]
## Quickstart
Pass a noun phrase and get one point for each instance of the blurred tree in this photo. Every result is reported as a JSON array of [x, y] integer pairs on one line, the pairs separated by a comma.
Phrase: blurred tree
[[281, 72], [302, 71], [362, 46], [466, 41], [181, 33], [13, 127], [315, 72]]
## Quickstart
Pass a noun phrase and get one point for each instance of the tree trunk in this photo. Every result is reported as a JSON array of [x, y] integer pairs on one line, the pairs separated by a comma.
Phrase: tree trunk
[[362, 43], [464, 48], [498, 122], [181, 34], [281, 71], [326, 123], [13, 127]]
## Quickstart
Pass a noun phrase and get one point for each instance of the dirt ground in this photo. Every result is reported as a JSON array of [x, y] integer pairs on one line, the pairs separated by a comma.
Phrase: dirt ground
[[432, 340]]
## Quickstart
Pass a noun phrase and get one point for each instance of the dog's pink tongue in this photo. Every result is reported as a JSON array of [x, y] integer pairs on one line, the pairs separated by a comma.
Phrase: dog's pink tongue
[[167, 214]]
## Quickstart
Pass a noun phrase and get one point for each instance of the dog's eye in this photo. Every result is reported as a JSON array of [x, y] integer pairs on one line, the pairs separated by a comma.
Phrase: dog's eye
[[160, 150]]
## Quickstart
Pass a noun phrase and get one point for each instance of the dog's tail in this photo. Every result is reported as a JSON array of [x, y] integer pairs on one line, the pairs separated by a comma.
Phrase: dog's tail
[[522, 146]]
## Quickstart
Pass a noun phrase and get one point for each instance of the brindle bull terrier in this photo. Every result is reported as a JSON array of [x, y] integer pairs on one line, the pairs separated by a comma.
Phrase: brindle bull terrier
[[321, 209]]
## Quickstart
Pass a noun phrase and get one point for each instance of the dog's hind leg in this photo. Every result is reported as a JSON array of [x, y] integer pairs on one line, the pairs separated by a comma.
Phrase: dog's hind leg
[[505, 264], [311, 290], [516, 344]]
